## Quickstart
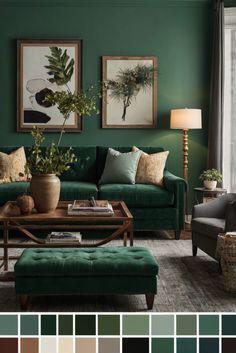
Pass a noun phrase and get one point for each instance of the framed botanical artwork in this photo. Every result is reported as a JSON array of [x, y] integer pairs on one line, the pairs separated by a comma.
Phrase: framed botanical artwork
[[130, 92], [38, 62]]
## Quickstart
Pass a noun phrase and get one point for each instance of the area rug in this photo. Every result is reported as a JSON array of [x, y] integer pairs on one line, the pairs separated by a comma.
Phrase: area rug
[[185, 283]]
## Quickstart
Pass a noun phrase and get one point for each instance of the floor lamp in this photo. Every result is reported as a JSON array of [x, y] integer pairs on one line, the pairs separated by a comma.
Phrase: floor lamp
[[185, 119]]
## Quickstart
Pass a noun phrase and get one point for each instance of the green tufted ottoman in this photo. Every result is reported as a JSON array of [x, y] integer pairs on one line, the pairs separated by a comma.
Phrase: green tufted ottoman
[[100, 270]]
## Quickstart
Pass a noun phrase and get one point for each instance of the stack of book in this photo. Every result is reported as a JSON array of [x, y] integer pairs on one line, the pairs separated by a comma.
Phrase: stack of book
[[64, 237], [90, 208]]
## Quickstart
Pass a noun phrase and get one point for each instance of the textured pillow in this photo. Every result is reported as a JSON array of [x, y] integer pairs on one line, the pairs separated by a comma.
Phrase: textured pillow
[[151, 167], [120, 167], [12, 166]]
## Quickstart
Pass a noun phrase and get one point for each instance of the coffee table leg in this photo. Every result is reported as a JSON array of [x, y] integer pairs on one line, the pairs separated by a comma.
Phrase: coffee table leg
[[24, 301], [5, 241], [125, 238], [131, 237]]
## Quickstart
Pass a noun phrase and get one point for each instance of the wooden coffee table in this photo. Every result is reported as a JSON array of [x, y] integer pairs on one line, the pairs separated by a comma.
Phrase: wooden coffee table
[[121, 223]]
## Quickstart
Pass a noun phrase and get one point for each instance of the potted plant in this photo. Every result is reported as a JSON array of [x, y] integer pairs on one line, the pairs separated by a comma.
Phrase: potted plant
[[46, 164], [210, 178]]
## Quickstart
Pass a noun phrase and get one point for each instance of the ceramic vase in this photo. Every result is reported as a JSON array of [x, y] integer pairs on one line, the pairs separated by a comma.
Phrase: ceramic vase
[[45, 190]]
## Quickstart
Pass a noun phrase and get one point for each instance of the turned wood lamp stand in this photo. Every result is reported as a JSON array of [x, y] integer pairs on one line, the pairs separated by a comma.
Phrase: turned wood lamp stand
[[185, 119]]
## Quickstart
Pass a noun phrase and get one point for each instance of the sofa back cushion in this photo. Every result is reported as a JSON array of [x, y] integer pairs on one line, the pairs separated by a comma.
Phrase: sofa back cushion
[[85, 167], [102, 154], [82, 170]]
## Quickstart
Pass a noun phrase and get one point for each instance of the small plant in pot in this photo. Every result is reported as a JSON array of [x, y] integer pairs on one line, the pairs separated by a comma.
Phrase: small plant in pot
[[210, 178], [45, 164]]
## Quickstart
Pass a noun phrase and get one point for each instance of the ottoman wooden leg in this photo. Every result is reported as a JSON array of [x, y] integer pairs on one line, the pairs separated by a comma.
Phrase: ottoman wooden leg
[[150, 300], [24, 301]]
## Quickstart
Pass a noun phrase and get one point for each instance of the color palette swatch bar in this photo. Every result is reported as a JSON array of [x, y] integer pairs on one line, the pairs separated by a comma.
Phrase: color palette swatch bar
[[118, 333]]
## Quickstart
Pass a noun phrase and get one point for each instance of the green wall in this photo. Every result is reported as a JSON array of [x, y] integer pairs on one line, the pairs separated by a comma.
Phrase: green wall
[[177, 32]]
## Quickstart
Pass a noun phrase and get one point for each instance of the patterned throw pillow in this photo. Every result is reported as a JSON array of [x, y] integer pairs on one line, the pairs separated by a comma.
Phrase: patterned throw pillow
[[151, 167], [12, 166]]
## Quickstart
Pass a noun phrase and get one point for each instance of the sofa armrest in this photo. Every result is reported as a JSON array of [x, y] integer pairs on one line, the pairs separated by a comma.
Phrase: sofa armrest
[[173, 182], [178, 186]]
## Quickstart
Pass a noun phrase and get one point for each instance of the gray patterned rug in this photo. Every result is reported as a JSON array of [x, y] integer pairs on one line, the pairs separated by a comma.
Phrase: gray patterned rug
[[185, 283]]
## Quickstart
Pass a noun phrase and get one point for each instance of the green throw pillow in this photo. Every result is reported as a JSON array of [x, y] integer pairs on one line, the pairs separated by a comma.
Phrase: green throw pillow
[[120, 167]]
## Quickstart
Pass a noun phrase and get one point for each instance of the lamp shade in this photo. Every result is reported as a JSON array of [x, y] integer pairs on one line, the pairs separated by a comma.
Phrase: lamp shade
[[186, 119]]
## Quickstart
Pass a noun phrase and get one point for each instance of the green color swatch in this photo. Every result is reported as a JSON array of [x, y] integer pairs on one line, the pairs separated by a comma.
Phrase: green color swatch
[[209, 345], [229, 325], [109, 324], [8, 325], [186, 325], [29, 325], [85, 325], [186, 345], [65, 325], [163, 325], [163, 345], [135, 325], [208, 325], [48, 325]]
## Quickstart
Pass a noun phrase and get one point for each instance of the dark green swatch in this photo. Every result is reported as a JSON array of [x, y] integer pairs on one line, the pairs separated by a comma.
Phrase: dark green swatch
[[48, 325], [65, 325], [108, 324], [29, 325], [135, 324], [229, 325], [8, 325], [186, 325], [85, 325], [186, 345], [160, 345], [208, 325], [228, 345], [135, 345], [209, 345]]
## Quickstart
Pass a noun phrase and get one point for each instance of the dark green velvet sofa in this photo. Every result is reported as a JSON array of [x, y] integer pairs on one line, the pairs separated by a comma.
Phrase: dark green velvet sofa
[[153, 207]]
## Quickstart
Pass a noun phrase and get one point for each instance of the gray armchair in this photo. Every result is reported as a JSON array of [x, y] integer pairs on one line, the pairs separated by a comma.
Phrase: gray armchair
[[211, 218]]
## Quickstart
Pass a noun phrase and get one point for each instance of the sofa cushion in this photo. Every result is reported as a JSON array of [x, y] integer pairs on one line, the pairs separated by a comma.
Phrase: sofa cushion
[[102, 155], [120, 167], [12, 166], [71, 190], [82, 170], [151, 167], [210, 227], [85, 167], [10, 191], [138, 195]]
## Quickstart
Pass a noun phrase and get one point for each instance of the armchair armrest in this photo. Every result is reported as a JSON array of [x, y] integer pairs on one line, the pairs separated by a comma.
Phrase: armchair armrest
[[230, 217], [215, 208], [212, 209]]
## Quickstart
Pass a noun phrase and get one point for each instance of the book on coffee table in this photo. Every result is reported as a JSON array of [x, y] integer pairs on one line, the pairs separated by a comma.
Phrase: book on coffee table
[[90, 208], [63, 237]]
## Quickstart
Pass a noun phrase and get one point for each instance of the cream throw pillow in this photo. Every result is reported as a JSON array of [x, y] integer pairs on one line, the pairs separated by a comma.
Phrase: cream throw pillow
[[151, 167], [12, 166]]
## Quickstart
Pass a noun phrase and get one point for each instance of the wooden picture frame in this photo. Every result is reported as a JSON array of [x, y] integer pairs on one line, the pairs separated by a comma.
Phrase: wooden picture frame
[[121, 110], [33, 82]]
